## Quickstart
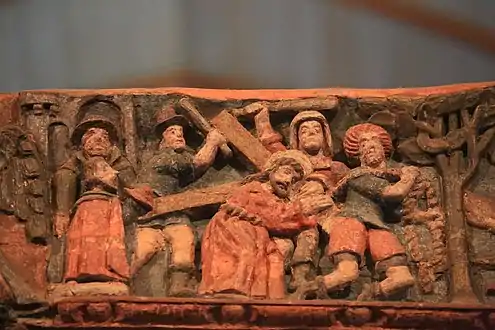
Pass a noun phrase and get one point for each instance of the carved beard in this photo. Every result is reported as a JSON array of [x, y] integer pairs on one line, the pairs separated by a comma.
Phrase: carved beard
[[281, 189], [97, 149], [372, 157]]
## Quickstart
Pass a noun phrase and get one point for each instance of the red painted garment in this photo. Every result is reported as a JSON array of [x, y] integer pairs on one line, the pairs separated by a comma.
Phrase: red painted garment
[[239, 256], [95, 241]]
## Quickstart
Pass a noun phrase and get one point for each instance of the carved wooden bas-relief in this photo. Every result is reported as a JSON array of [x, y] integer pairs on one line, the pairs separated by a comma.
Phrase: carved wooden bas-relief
[[283, 209]]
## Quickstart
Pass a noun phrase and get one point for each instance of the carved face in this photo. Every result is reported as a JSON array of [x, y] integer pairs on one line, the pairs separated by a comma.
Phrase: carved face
[[311, 138], [95, 142], [282, 179], [371, 152], [173, 137]]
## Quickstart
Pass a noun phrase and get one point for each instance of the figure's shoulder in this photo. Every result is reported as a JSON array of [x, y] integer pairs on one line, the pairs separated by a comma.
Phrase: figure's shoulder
[[339, 166]]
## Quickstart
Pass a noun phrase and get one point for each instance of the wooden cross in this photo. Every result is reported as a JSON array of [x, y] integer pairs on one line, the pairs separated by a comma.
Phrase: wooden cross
[[245, 144]]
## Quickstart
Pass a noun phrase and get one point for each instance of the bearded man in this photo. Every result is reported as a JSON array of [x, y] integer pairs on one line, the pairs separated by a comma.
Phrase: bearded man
[[239, 256], [367, 192], [310, 134]]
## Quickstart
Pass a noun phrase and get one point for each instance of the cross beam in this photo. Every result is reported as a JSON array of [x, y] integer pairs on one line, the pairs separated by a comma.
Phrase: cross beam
[[190, 199], [243, 141]]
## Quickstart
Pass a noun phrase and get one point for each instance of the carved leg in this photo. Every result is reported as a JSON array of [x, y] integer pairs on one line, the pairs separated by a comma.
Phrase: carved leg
[[276, 273], [181, 239], [303, 267], [346, 247], [391, 259], [286, 248], [148, 242], [348, 238]]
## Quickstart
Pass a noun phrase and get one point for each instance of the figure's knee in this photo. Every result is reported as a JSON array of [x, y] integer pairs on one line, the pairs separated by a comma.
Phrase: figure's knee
[[148, 240], [308, 239], [348, 236], [285, 246], [306, 246], [348, 266], [384, 245], [181, 239]]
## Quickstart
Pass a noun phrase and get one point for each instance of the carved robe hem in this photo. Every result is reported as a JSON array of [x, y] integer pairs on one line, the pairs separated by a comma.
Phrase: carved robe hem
[[95, 241]]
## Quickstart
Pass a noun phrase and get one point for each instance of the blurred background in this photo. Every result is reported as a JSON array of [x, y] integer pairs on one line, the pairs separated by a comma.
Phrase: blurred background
[[245, 43]]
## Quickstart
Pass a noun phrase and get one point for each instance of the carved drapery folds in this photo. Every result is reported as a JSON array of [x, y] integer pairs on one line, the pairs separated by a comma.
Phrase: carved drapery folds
[[372, 196]]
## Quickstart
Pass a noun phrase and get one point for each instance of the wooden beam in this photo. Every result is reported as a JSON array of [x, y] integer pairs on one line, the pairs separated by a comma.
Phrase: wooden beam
[[314, 103], [191, 199], [243, 141], [443, 24]]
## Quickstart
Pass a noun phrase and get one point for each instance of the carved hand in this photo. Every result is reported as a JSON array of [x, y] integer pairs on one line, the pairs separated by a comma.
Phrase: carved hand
[[411, 172], [216, 138], [310, 188], [60, 224], [142, 195], [263, 115], [237, 211], [314, 204], [256, 108]]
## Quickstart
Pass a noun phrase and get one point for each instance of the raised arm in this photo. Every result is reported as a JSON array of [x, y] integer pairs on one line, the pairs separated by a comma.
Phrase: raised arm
[[206, 155], [268, 137], [381, 189]]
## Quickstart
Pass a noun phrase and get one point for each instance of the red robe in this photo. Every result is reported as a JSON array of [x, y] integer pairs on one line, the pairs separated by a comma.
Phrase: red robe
[[240, 257], [95, 241]]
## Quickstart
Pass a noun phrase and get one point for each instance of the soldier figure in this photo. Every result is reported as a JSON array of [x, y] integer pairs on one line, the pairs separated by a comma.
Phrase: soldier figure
[[309, 133], [173, 167], [367, 191]]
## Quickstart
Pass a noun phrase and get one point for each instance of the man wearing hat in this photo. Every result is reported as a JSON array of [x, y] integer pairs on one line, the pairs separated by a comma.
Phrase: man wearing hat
[[309, 133], [170, 170], [89, 189], [239, 256]]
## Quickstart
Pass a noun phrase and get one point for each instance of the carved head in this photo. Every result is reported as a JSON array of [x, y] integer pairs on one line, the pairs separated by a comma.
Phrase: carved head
[[169, 128], [371, 152], [368, 142], [311, 138], [286, 168], [96, 142], [282, 179], [98, 112], [310, 133], [173, 137]]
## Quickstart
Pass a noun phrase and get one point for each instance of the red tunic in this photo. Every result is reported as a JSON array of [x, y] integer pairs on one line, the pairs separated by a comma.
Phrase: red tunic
[[239, 256], [95, 241]]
